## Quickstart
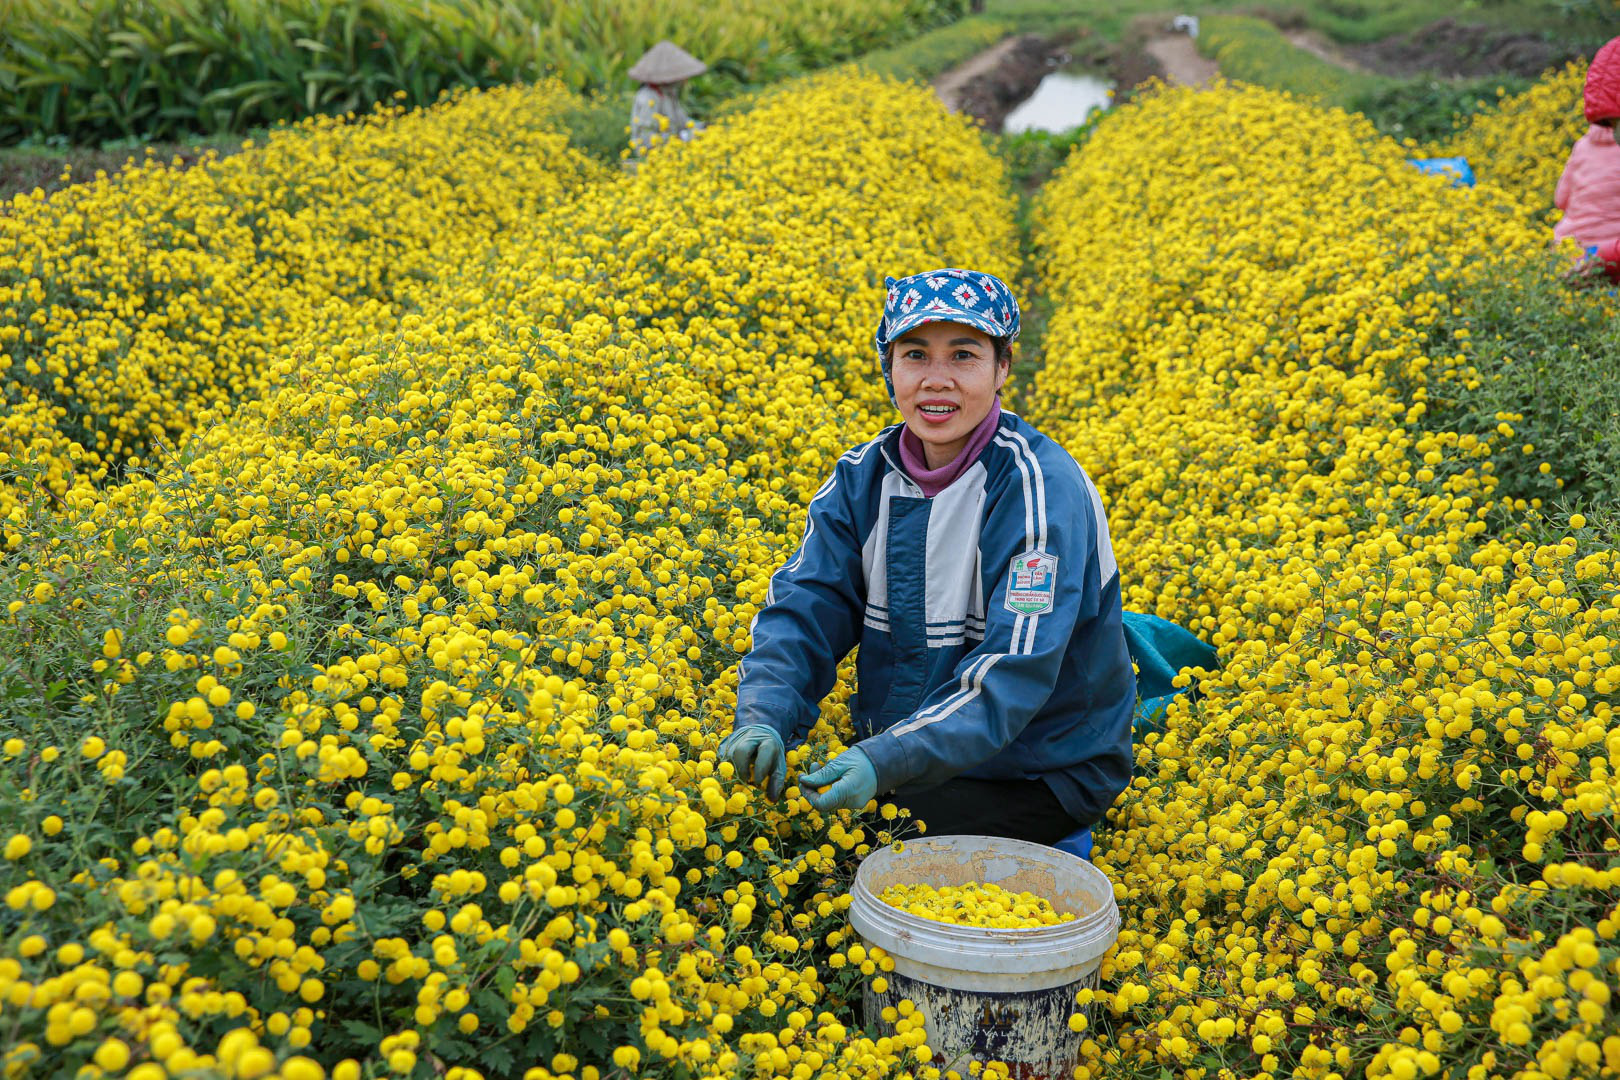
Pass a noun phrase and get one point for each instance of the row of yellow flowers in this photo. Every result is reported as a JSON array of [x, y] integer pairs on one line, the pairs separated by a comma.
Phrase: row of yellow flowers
[[369, 733], [1382, 842], [372, 734], [1522, 144], [129, 308]]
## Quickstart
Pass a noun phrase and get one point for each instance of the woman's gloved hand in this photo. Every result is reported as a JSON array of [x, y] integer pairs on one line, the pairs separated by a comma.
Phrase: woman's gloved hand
[[758, 756], [853, 780]]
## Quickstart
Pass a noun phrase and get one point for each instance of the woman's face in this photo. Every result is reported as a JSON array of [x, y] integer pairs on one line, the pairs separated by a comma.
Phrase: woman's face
[[945, 380]]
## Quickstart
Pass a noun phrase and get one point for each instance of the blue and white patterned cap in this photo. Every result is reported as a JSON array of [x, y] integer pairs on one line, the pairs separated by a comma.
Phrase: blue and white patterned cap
[[982, 301]]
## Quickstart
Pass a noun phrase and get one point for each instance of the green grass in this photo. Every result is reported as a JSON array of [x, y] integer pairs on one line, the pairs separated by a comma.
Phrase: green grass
[[1033, 156], [1543, 346], [1371, 20], [598, 125], [1350, 21], [930, 54], [1254, 50], [1429, 110]]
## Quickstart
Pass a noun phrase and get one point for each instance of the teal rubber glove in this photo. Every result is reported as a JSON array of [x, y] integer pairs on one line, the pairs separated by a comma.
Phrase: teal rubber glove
[[757, 754], [853, 779]]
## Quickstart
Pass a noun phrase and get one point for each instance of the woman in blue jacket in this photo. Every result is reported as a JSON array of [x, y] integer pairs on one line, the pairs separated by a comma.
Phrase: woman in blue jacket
[[968, 557]]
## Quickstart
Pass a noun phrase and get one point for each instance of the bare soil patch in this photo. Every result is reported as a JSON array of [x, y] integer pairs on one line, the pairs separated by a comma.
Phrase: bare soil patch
[[1450, 49], [1151, 49], [1321, 47], [953, 85]]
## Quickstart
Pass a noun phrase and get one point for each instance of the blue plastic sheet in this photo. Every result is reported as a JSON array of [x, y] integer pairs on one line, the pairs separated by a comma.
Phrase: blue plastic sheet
[[1461, 173]]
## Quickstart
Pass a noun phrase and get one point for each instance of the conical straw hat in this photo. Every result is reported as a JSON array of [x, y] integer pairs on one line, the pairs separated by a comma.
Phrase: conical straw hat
[[667, 62]]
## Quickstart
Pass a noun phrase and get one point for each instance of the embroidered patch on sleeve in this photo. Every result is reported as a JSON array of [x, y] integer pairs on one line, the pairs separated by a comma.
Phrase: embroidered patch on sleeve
[[1031, 583]]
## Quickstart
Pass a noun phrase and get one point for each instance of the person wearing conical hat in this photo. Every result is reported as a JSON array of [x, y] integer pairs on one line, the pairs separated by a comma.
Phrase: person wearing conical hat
[[656, 114]]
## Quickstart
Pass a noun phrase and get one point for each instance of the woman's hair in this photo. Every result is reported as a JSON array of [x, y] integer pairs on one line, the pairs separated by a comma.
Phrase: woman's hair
[[1004, 352]]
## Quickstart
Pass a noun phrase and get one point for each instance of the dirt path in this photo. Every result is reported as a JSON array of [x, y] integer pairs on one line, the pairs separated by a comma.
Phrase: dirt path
[[1320, 47], [954, 84], [1180, 60]]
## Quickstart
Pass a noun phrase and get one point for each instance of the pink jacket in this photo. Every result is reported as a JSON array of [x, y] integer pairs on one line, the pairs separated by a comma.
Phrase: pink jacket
[[1589, 191]]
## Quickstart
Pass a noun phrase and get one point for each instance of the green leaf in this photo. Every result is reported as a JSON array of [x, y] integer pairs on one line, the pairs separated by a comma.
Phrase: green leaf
[[226, 94], [362, 1032], [499, 1059]]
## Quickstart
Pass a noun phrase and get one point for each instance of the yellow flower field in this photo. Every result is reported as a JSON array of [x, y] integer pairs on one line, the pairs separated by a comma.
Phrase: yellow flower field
[[130, 308], [369, 731], [1523, 143], [1382, 843], [419, 655]]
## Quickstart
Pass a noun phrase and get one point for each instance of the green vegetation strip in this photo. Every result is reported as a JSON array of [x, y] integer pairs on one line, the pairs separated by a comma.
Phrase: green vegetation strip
[[1544, 343], [104, 69], [938, 50]]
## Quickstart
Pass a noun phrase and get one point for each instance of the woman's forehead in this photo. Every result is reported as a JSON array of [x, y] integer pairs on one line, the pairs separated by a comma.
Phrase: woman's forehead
[[952, 333]]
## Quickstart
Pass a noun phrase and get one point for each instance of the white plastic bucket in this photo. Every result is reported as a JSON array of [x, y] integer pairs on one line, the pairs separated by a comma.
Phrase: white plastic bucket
[[989, 994]]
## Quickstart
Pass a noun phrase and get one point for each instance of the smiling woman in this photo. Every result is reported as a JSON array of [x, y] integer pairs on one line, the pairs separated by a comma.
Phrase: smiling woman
[[946, 378], [968, 556]]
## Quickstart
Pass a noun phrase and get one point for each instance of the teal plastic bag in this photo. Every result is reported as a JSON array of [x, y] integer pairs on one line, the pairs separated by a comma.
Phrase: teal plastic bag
[[1161, 650]]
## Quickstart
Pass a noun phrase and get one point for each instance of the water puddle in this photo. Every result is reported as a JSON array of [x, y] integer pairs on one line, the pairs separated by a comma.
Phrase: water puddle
[[1059, 103]]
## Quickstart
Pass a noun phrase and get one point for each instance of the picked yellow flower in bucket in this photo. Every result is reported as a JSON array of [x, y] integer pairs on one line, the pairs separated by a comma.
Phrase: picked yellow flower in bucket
[[975, 904]]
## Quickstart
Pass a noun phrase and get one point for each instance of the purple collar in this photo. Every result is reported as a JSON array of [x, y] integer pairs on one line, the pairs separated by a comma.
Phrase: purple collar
[[934, 481]]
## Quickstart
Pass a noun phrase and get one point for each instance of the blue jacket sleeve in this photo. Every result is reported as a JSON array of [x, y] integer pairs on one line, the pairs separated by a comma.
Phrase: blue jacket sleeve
[[1041, 553], [811, 618]]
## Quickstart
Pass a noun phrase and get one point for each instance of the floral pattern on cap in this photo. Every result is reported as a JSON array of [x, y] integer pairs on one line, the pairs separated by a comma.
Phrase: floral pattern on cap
[[982, 301]]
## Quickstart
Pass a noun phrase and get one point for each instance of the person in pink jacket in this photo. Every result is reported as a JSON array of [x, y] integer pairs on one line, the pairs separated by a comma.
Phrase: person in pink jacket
[[1589, 191]]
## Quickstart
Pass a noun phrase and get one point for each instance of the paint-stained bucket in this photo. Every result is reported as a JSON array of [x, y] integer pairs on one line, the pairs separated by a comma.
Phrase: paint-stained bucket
[[989, 994]]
